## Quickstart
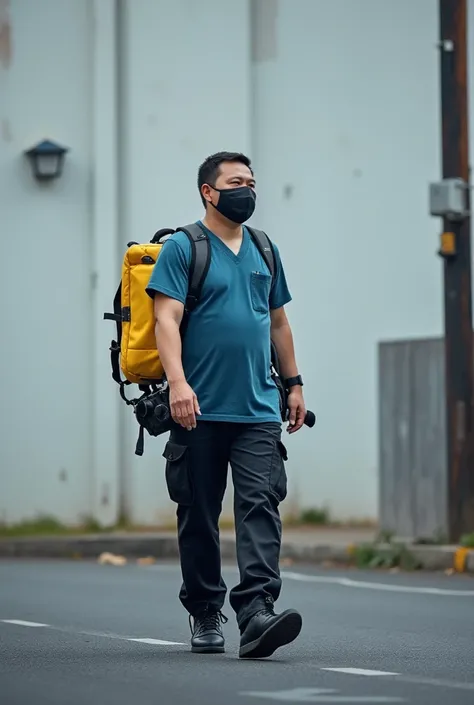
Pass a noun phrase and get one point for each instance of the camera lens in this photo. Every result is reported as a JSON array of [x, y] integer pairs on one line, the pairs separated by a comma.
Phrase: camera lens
[[142, 409], [161, 412]]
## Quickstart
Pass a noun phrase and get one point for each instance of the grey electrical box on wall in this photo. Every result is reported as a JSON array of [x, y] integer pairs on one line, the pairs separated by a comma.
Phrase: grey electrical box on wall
[[448, 199]]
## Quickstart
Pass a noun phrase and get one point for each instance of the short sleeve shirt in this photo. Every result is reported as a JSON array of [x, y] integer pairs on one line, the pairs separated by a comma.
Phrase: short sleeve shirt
[[226, 347]]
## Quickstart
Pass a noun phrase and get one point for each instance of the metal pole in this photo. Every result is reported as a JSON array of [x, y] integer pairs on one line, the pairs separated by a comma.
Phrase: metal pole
[[456, 243]]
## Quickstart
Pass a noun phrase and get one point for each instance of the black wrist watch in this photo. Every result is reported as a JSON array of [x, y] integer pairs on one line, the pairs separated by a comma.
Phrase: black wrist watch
[[294, 382]]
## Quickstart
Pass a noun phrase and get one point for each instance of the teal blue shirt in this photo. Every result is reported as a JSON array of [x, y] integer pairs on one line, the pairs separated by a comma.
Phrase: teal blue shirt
[[226, 348]]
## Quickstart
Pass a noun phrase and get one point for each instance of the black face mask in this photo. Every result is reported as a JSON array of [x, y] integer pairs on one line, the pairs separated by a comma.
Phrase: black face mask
[[236, 204]]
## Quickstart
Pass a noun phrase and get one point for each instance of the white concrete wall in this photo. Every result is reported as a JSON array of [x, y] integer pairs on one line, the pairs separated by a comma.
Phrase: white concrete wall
[[45, 285], [338, 105], [346, 139], [186, 93]]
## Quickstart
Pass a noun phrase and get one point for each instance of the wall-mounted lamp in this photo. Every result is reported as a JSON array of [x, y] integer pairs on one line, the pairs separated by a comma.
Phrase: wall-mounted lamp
[[47, 160]]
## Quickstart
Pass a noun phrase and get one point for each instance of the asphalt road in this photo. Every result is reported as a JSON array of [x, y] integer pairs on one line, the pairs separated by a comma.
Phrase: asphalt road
[[68, 631]]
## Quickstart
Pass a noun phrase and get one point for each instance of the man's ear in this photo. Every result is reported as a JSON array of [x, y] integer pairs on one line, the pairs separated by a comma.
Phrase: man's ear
[[206, 192]]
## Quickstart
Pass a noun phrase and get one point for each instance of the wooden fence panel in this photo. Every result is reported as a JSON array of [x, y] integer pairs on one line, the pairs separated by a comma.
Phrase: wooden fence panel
[[412, 438]]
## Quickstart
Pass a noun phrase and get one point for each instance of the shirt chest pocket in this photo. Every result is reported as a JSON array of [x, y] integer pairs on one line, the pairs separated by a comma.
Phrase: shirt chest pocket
[[260, 291]]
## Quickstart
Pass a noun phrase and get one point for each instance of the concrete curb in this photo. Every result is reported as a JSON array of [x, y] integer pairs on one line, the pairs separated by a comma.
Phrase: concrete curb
[[91, 546], [431, 558]]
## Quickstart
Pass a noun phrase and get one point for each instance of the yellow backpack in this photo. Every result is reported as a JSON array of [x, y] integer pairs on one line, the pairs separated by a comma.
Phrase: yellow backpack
[[134, 352]]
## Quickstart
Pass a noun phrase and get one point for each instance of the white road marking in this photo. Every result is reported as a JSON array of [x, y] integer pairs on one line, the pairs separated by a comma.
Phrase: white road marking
[[158, 642], [104, 635], [282, 695], [348, 582], [23, 623], [361, 672], [320, 695], [344, 582], [415, 680]]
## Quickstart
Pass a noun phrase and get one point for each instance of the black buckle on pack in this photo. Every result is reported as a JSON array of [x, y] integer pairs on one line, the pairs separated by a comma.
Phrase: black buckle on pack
[[113, 317]]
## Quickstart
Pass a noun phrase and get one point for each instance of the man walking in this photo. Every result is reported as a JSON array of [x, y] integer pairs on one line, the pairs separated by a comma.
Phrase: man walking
[[225, 406]]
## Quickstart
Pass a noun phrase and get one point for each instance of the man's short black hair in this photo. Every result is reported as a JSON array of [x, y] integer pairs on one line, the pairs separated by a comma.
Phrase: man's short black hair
[[210, 168]]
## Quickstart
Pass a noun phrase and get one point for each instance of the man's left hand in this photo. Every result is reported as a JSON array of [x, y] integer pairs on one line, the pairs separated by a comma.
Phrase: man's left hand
[[297, 409]]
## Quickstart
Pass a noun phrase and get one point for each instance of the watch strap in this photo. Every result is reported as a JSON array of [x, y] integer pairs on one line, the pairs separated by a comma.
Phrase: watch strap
[[294, 382]]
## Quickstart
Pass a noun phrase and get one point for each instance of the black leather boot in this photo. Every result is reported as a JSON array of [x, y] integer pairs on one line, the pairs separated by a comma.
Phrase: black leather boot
[[207, 636], [266, 631]]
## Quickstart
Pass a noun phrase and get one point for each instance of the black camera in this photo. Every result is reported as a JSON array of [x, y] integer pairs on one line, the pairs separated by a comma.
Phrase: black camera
[[152, 411]]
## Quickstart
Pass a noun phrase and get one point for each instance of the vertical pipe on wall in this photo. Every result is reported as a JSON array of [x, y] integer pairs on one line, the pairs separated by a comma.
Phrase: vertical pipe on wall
[[125, 461], [105, 264]]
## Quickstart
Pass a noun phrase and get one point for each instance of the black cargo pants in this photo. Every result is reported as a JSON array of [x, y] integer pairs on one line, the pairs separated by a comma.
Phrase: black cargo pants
[[196, 477]]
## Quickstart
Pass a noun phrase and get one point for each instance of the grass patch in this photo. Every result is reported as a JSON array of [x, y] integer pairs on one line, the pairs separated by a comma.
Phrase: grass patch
[[467, 541], [42, 525], [383, 553], [311, 516], [46, 525], [315, 515]]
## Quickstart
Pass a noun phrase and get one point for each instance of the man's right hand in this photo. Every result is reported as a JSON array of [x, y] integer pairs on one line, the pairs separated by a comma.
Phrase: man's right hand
[[184, 404]]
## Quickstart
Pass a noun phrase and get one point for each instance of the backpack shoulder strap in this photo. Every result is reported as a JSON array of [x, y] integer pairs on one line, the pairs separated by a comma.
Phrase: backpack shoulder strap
[[115, 345], [265, 247], [200, 262]]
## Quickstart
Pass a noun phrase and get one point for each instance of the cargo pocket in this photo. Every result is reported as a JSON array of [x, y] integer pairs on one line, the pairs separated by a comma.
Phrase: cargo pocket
[[260, 291], [278, 479], [178, 477]]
